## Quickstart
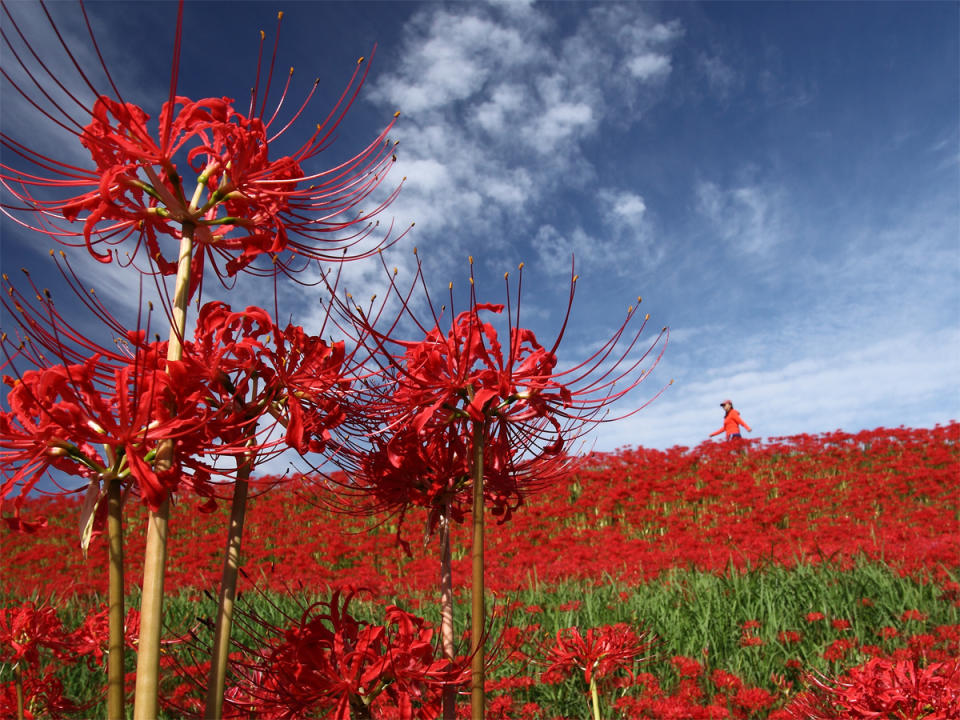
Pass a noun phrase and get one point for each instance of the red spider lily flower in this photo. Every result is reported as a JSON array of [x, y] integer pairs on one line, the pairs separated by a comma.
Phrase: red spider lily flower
[[60, 415], [90, 639], [253, 369], [789, 637], [103, 411], [405, 469], [44, 697], [753, 699], [247, 202], [884, 688], [27, 630], [92, 411], [686, 667], [726, 681], [431, 468], [330, 661], [838, 649], [511, 406], [599, 654], [463, 377]]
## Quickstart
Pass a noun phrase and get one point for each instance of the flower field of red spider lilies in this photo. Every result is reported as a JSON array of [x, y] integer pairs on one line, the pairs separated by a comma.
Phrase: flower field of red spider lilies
[[810, 576]]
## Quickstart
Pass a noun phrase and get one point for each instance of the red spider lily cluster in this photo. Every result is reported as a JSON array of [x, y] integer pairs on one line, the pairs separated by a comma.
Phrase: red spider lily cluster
[[244, 204], [904, 471], [882, 494], [599, 654], [330, 662], [884, 688], [35, 643], [462, 378], [200, 188], [105, 416]]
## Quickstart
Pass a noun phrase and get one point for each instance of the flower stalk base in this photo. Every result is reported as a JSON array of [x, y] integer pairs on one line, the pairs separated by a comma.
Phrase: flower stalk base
[[115, 657], [477, 696], [228, 593]]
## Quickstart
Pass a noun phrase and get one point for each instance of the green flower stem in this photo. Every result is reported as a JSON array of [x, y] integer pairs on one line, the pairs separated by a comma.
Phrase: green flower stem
[[594, 698], [145, 704], [228, 591], [18, 683], [477, 696], [446, 609], [115, 656]]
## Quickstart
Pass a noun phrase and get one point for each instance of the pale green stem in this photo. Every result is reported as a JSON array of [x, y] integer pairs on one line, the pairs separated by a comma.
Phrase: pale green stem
[[595, 698], [18, 683], [446, 610], [228, 592], [477, 694], [145, 705], [116, 647], [145, 701]]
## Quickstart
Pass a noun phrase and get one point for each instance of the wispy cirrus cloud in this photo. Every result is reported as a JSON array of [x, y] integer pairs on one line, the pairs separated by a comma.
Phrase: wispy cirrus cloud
[[497, 112], [748, 218], [849, 388]]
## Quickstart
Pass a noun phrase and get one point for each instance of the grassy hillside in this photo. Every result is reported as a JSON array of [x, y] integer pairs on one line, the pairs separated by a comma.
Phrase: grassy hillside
[[742, 569]]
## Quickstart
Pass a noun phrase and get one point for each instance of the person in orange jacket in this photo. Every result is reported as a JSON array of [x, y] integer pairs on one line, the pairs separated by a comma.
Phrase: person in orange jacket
[[731, 422]]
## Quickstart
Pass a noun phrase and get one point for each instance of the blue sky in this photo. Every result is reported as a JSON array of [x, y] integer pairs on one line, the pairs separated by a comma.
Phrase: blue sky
[[780, 182]]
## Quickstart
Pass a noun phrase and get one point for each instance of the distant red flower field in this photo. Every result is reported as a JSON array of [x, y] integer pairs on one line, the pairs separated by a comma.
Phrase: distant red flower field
[[885, 494], [886, 498]]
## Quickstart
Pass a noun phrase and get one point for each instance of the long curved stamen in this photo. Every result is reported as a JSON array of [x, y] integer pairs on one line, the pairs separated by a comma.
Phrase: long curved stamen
[[273, 62], [174, 76]]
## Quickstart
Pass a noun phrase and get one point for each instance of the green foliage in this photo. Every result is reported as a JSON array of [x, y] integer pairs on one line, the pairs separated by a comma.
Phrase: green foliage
[[694, 614]]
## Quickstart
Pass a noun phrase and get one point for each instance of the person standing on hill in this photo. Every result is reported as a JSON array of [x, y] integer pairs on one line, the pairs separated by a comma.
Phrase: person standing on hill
[[731, 422]]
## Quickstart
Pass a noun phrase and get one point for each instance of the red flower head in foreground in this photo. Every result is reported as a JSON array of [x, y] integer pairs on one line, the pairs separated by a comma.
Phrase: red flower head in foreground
[[884, 688], [334, 663], [92, 411], [98, 412], [464, 383], [204, 167], [599, 654], [255, 372]]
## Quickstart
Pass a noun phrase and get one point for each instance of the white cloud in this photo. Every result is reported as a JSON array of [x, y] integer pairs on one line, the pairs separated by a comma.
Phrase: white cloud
[[557, 124], [496, 114], [623, 208], [649, 66], [747, 218], [554, 248], [507, 101], [818, 391], [623, 237], [721, 78]]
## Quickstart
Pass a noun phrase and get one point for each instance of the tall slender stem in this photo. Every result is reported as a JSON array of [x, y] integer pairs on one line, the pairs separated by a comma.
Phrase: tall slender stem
[[595, 698], [446, 609], [477, 695], [145, 700], [18, 683], [115, 654], [228, 591], [145, 704]]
